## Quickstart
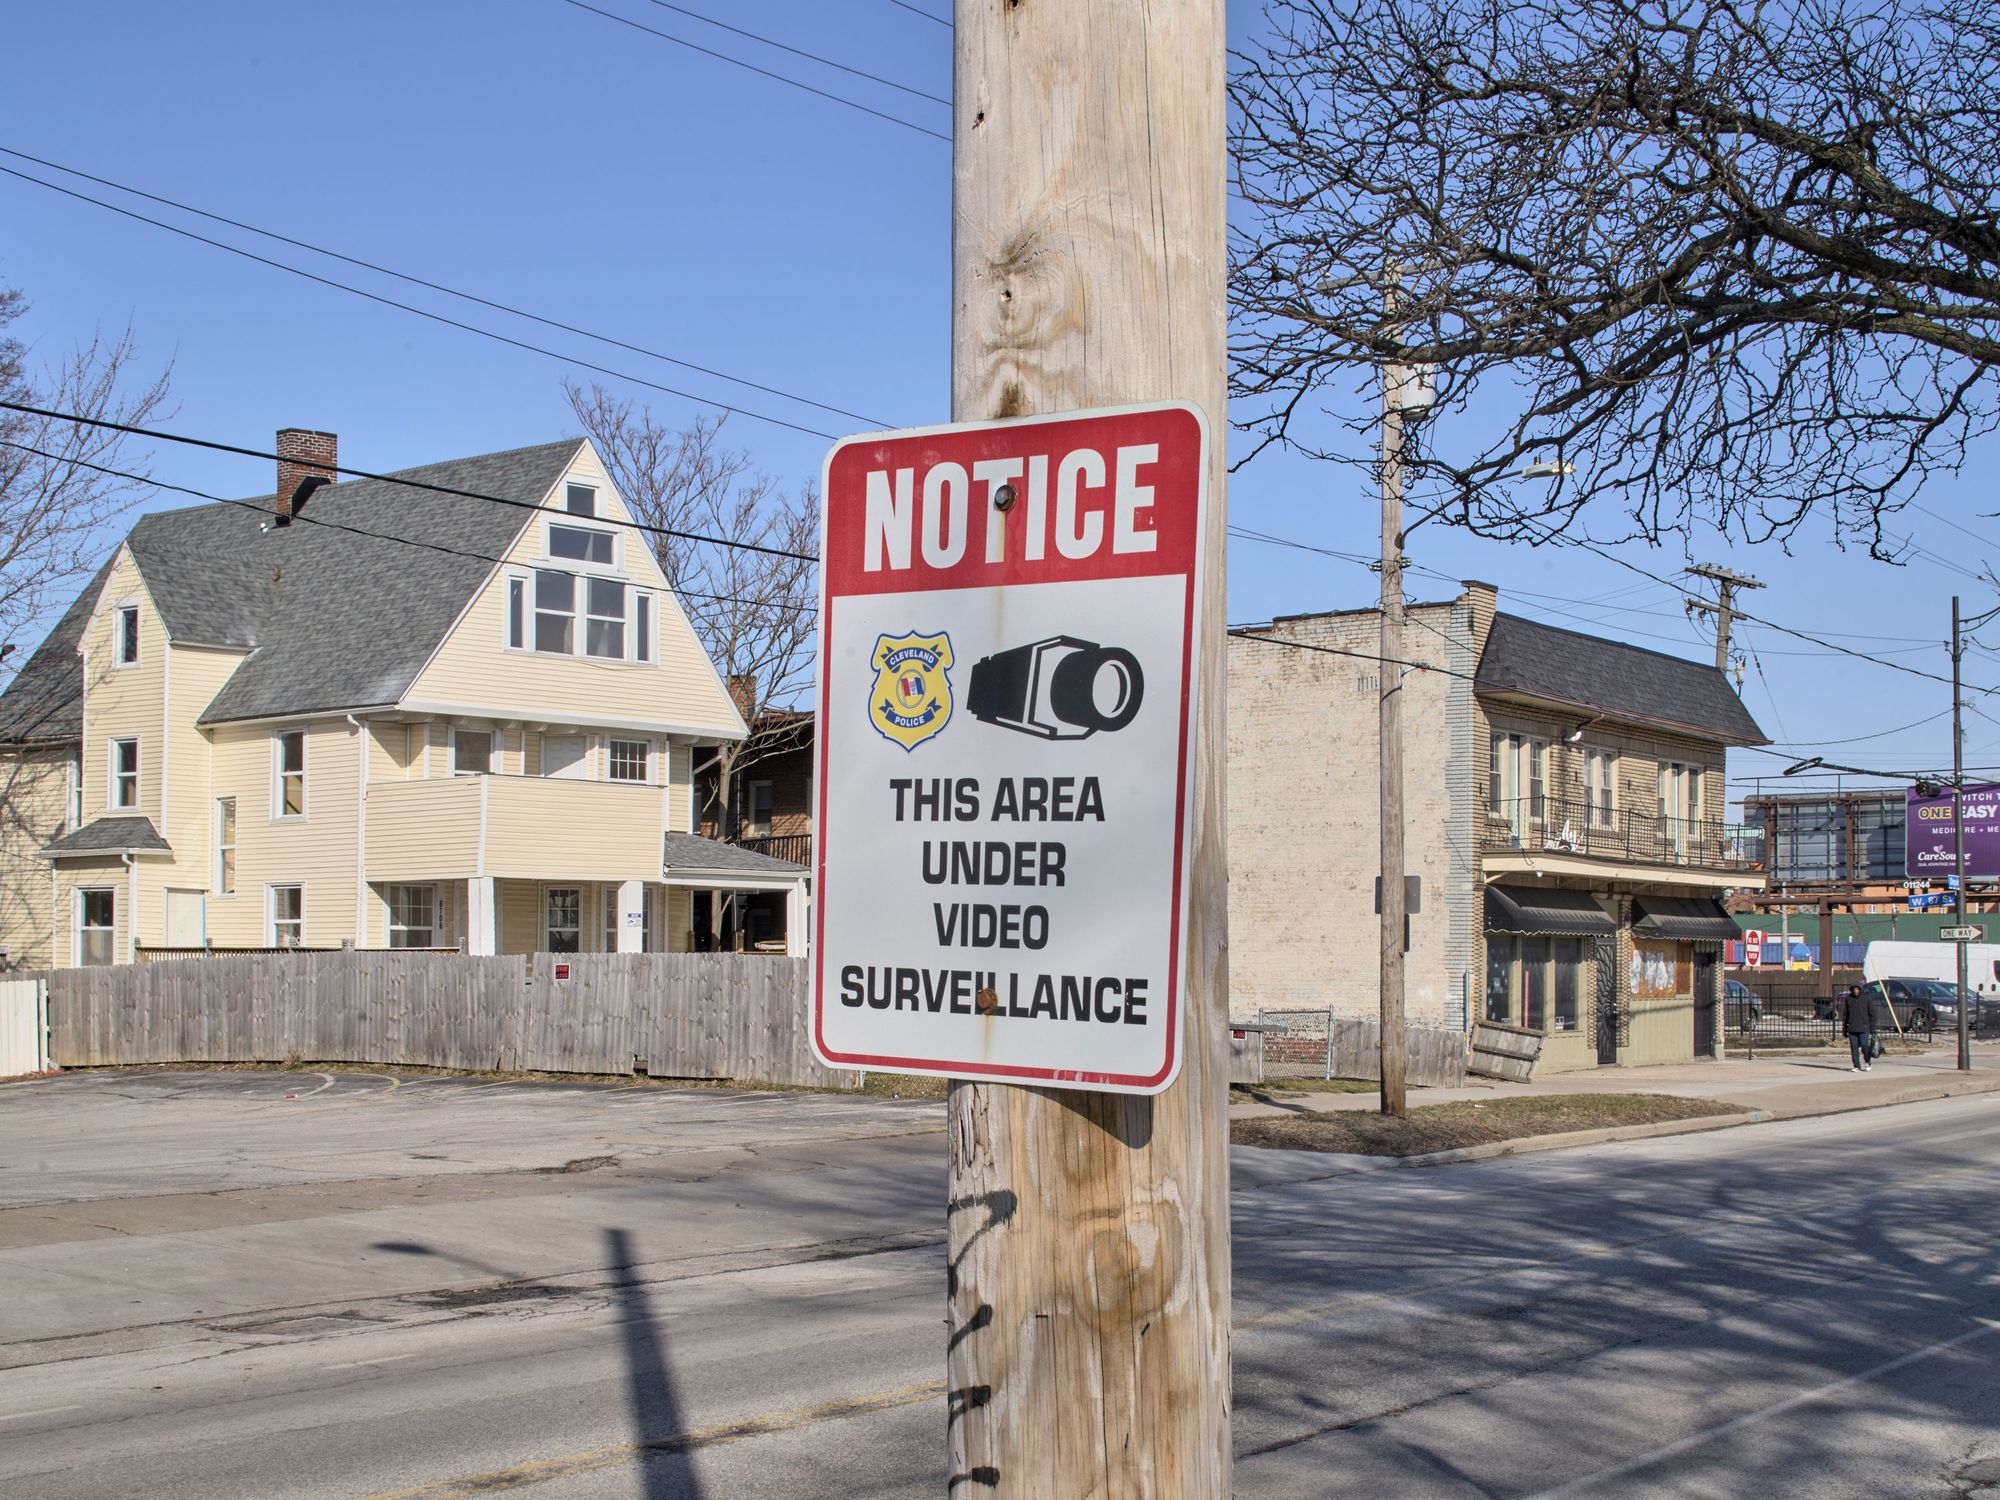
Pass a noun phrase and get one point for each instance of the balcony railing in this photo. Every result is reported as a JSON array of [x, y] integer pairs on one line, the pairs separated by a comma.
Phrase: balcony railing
[[796, 847], [1563, 825]]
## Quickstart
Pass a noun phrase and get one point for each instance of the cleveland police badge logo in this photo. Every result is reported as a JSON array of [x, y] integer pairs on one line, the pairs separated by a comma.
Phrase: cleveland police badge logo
[[911, 697]]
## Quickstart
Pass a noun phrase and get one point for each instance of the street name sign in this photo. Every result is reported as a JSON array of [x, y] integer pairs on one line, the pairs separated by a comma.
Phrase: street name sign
[[1961, 934], [1007, 669]]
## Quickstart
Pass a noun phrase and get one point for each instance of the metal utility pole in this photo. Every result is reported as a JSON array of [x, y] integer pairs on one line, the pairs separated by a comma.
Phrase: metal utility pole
[[1727, 581], [1088, 1243], [1401, 387], [1958, 839]]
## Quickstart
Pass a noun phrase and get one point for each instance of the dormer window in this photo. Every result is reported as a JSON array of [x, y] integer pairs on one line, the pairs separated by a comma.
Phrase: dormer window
[[125, 636], [582, 544], [580, 500]]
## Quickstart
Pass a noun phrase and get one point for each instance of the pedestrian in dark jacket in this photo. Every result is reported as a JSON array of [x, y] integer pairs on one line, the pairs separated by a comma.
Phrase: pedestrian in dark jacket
[[1860, 1010]]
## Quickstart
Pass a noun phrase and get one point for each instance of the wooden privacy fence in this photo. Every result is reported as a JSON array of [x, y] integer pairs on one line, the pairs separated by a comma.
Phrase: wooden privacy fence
[[671, 1015], [1323, 1044]]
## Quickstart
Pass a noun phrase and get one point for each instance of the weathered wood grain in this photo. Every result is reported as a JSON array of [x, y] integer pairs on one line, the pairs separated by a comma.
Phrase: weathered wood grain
[[1088, 1302]]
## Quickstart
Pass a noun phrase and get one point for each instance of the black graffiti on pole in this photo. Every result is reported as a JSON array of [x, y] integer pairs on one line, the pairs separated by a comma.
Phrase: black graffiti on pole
[[1061, 688]]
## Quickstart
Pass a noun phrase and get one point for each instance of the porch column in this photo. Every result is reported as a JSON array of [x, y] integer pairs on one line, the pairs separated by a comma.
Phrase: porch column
[[631, 929], [482, 918], [797, 941]]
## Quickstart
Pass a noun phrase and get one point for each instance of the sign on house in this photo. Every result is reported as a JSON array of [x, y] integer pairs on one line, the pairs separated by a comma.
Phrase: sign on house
[[1007, 662]]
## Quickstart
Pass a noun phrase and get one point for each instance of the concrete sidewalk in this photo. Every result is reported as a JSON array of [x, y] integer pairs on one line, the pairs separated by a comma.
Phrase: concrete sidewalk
[[1778, 1087]]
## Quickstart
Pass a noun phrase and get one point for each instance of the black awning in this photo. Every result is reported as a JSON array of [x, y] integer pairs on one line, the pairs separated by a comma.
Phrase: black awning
[[1685, 919], [1524, 909]]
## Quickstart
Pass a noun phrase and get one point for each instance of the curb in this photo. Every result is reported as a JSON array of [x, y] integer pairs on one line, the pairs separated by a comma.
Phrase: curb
[[1557, 1142]]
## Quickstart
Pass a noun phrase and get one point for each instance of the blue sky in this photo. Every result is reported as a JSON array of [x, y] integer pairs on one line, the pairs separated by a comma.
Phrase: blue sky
[[540, 155]]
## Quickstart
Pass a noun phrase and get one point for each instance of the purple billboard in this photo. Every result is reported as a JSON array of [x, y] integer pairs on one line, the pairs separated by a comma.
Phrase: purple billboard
[[1929, 838]]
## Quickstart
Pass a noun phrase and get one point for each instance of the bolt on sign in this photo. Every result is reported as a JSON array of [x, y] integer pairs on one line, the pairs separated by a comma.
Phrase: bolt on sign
[[1007, 662]]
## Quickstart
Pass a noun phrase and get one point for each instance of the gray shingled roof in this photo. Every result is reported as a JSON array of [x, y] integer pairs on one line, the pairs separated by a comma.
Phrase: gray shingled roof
[[44, 702], [690, 853], [337, 610], [111, 836], [1596, 676]]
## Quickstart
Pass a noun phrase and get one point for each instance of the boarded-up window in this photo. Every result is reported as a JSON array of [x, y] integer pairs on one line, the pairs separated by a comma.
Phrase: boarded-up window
[[1661, 969]]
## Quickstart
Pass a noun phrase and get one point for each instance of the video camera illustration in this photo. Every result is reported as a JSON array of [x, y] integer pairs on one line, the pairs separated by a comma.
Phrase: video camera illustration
[[1058, 689]]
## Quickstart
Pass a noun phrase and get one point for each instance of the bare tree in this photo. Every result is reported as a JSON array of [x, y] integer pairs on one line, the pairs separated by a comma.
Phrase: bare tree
[[52, 505], [1738, 264], [753, 610]]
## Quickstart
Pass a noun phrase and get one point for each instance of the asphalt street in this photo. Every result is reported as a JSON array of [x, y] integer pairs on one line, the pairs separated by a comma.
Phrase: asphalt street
[[355, 1285]]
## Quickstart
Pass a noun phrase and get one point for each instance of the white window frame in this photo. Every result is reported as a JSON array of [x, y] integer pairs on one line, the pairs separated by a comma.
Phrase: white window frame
[[1518, 771], [223, 885], [645, 776], [279, 773], [622, 621], [751, 828], [391, 926], [571, 489], [517, 615], [271, 913], [492, 739], [608, 897], [1600, 787], [116, 778], [639, 621], [127, 610], [549, 931], [644, 626], [77, 929], [592, 528]]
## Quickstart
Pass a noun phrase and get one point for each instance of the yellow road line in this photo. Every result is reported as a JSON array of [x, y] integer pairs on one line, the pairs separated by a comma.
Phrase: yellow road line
[[542, 1470]]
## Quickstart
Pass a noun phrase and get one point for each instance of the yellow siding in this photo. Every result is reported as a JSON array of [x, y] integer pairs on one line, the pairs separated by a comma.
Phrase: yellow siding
[[680, 919], [34, 804], [473, 668], [73, 875], [424, 830], [195, 676], [123, 702], [318, 851], [520, 904], [538, 829]]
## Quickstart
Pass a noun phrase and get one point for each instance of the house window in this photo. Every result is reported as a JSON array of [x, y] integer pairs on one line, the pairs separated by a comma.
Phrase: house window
[[288, 774], [1517, 780], [471, 752], [580, 500], [288, 915], [124, 773], [604, 635], [125, 649], [1536, 982], [757, 810], [609, 896], [413, 916], [563, 923], [555, 613], [225, 846], [628, 760], [96, 922], [642, 626], [1600, 788], [1680, 806], [517, 614], [582, 544]]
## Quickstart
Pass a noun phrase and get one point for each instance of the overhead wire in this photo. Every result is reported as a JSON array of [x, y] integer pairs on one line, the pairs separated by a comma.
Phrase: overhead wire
[[421, 312], [694, 15], [753, 68], [413, 280], [915, 11]]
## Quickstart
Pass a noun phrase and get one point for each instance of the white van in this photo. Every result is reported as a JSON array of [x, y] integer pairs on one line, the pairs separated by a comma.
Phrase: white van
[[1935, 960]]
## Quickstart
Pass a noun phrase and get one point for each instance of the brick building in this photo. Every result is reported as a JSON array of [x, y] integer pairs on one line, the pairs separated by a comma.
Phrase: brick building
[[768, 811], [1564, 796]]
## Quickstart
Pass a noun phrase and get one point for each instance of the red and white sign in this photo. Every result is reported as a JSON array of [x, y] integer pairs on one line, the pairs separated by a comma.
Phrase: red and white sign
[[1753, 948], [1007, 670]]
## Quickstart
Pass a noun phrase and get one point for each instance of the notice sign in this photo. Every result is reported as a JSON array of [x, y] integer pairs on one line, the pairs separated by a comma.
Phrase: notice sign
[[1007, 668]]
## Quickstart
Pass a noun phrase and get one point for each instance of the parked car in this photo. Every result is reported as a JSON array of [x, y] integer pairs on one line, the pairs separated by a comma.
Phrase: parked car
[[1741, 1008], [1932, 1005]]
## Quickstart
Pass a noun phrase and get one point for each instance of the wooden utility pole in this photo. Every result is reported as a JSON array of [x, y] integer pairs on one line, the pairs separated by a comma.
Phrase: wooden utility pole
[[1395, 380], [1089, 1233], [1727, 581]]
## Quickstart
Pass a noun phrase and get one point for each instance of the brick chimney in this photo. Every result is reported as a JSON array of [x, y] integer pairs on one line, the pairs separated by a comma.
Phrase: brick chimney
[[743, 693], [306, 460]]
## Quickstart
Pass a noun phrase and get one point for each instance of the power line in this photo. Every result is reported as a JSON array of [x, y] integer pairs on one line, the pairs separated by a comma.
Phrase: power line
[[801, 52], [913, 10], [300, 518], [1256, 633], [434, 317], [396, 479], [753, 68], [404, 276]]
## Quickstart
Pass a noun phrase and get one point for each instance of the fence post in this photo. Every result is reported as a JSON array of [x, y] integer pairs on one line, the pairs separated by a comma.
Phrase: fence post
[[1329, 1041]]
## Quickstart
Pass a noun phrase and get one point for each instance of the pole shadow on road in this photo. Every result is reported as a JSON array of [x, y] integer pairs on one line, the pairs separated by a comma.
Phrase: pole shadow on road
[[665, 1464]]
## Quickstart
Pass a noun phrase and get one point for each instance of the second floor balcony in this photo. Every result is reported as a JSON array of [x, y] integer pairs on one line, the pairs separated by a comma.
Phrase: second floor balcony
[[526, 827], [796, 847], [1561, 828]]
